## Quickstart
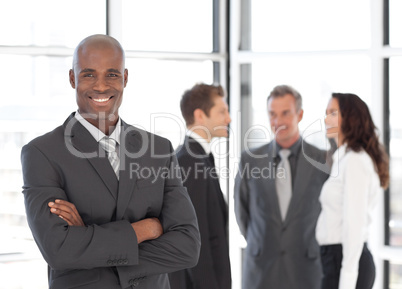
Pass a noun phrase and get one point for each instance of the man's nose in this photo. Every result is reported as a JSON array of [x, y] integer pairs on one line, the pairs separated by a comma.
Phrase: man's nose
[[276, 121], [101, 84], [228, 118]]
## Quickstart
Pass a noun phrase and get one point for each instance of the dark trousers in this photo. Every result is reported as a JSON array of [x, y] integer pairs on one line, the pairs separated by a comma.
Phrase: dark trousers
[[331, 259]]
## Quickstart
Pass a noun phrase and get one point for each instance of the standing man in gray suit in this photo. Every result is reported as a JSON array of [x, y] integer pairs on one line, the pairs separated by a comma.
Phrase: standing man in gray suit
[[276, 202], [104, 200]]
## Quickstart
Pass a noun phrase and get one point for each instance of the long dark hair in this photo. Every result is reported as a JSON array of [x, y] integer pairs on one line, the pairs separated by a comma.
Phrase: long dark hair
[[359, 132]]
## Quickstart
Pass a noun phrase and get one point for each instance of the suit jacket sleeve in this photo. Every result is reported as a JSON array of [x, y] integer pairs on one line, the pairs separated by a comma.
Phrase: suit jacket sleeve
[[63, 246], [241, 198], [179, 247]]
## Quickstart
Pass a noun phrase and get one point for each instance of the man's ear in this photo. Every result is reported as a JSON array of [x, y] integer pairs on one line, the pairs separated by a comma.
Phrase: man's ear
[[300, 116], [199, 116], [72, 78], [125, 77]]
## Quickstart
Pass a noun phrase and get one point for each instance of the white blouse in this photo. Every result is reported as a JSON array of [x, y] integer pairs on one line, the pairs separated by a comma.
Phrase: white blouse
[[348, 198]]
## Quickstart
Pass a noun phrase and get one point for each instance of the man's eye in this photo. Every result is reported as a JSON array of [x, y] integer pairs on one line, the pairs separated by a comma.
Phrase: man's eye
[[88, 75], [113, 75]]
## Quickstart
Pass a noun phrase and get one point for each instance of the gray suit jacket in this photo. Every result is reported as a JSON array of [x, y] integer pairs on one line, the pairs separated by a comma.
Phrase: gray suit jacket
[[279, 254], [68, 163]]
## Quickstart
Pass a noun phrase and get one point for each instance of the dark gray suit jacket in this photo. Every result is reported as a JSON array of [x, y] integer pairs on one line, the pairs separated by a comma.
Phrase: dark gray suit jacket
[[279, 254], [68, 164], [213, 268]]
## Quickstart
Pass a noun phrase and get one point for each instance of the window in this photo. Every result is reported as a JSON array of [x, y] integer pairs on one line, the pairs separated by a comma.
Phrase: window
[[395, 196], [395, 70], [309, 25], [319, 47], [177, 25], [51, 23], [395, 23], [393, 89], [153, 93]]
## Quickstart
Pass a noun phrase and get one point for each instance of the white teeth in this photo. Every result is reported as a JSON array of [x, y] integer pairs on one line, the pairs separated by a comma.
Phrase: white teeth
[[101, 99]]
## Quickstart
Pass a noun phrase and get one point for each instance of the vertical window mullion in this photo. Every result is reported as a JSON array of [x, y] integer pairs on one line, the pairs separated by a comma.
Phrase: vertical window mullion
[[386, 135]]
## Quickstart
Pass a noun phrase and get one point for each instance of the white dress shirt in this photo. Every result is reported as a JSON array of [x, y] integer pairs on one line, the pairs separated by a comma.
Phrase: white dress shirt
[[348, 198], [98, 134], [202, 141]]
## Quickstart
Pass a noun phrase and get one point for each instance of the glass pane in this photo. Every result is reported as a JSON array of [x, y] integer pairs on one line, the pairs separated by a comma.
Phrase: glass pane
[[293, 25], [35, 274], [153, 93], [36, 99], [37, 88], [160, 25], [395, 120], [395, 23], [315, 78], [48, 22], [395, 276]]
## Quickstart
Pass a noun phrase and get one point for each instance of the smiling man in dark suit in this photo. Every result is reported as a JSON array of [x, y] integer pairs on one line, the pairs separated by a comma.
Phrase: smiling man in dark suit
[[98, 218], [277, 212], [206, 114]]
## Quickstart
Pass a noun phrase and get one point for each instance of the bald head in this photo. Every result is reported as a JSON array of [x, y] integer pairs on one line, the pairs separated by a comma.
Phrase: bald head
[[97, 41]]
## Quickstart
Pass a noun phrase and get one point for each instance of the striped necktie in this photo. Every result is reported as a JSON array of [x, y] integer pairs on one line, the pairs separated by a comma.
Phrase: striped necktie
[[109, 145]]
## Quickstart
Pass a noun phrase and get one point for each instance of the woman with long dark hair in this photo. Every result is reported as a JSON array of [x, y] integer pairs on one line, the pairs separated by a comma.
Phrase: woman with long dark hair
[[359, 171]]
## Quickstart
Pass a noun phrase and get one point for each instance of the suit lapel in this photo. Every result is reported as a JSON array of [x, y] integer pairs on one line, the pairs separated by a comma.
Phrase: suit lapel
[[304, 171], [196, 150], [131, 143], [82, 144]]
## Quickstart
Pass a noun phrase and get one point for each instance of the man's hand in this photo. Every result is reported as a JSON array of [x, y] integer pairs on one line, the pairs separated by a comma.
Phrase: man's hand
[[147, 229], [67, 211]]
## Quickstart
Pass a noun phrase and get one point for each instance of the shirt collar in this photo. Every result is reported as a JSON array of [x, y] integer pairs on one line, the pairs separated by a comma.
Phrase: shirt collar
[[294, 149], [95, 132], [202, 141]]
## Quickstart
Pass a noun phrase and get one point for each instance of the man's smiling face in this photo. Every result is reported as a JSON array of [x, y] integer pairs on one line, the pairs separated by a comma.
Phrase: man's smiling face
[[99, 77]]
